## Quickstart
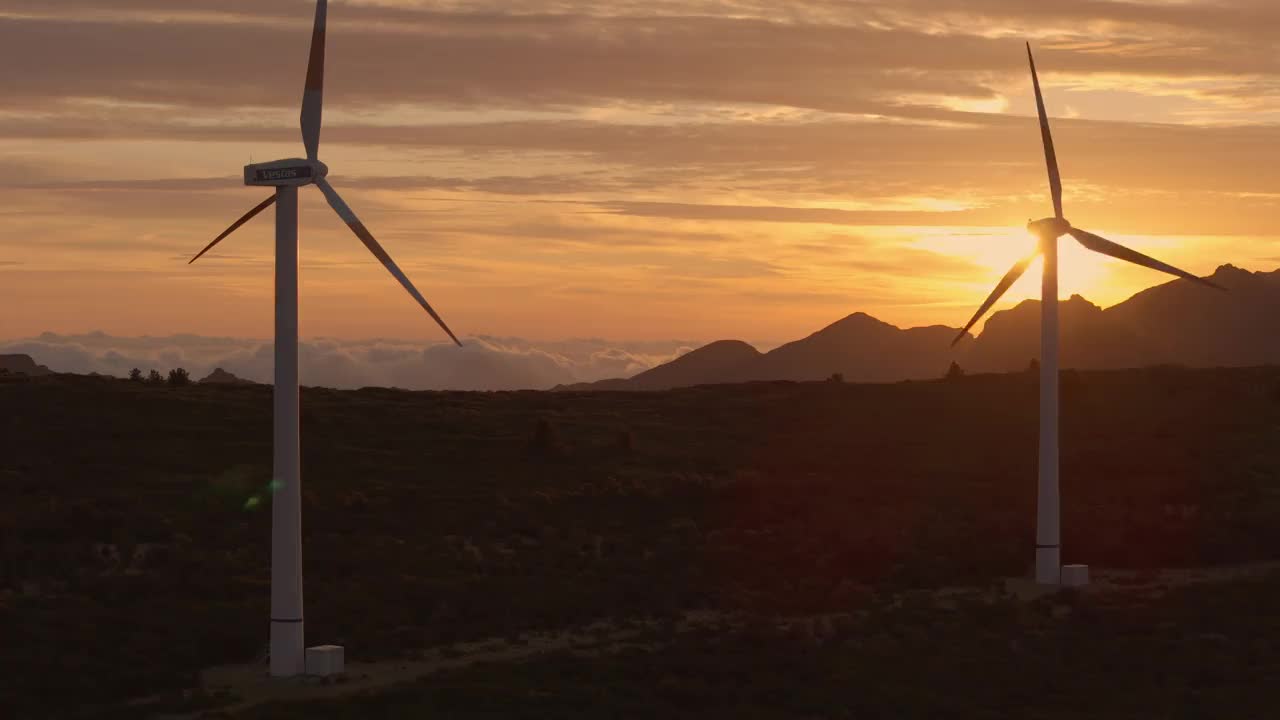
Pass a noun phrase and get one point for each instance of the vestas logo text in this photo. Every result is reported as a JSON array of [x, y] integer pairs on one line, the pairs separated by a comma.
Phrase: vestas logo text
[[283, 173]]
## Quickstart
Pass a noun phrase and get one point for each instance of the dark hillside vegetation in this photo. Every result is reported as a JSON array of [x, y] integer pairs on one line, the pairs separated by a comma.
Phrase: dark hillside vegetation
[[135, 524], [1204, 652]]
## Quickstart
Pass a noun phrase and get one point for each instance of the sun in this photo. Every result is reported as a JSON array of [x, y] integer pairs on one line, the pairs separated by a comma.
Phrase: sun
[[994, 250]]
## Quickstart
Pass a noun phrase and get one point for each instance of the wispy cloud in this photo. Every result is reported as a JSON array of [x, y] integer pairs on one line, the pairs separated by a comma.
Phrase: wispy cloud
[[642, 169]]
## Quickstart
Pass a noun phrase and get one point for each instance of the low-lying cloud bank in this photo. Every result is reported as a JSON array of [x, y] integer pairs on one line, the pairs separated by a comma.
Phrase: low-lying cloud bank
[[484, 363]]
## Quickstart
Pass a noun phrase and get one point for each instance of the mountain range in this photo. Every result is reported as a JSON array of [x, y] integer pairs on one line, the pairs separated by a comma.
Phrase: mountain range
[[1178, 322]]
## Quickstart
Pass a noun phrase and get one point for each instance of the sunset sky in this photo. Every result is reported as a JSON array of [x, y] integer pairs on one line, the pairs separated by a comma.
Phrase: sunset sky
[[653, 170]]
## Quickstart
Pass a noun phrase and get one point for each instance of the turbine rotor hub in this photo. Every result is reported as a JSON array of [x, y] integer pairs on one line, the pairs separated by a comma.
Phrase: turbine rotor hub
[[1053, 227]]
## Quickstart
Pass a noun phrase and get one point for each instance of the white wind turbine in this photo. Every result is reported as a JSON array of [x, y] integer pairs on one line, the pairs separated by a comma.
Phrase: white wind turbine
[[286, 176], [1048, 230]]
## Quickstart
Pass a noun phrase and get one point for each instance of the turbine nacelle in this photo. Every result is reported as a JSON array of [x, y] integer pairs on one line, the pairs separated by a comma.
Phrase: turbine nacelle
[[1053, 227], [295, 172]]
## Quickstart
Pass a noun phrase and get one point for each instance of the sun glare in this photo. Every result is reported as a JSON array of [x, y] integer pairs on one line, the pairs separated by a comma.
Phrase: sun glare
[[995, 250]]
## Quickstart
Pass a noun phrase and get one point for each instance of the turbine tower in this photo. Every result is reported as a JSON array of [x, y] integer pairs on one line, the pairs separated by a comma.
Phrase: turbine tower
[[1047, 231], [286, 176]]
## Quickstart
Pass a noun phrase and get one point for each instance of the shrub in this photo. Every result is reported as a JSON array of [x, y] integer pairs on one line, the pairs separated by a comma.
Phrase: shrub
[[546, 440], [155, 378], [836, 378], [135, 375], [179, 378]]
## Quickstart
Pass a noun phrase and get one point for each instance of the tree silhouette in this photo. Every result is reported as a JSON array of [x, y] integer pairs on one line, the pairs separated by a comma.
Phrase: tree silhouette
[[155, 378], [135, 375], [955, 371], [179, 377]]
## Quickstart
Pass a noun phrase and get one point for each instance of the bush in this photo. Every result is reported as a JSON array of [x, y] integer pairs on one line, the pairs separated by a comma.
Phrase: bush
[[836, 378], [546, 440], [135, 375], [179, 378]]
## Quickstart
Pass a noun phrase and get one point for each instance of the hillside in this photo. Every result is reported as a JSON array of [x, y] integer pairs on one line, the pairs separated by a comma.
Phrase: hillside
[[22, 365], [1089, 339], [1177, 323], [722, 359], [862, 349], [429, 522], [1180, 323]]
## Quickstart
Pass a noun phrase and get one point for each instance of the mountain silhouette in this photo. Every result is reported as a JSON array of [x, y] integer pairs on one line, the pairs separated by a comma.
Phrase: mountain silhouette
[[1174, 323], [22, 365], [859, 347], [222, 377], [1089, 339], [1178, 322], [725, 359]]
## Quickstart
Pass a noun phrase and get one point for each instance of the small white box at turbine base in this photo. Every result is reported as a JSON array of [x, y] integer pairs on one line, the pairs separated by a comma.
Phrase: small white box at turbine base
[[325, 660], [1075, 575]]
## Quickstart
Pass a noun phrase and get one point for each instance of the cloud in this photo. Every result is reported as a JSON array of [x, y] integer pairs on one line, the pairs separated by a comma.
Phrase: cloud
[[838, 56], [651, 168], [484, 363], [761, 213]]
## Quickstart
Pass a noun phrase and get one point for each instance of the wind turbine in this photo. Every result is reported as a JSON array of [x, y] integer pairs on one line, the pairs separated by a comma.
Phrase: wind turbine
[[286, 176], [1048, 230]]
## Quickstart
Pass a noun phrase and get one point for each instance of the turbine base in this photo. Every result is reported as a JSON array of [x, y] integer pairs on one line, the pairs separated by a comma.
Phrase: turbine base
[[1075, 576], [288, 657], [1049, 565]]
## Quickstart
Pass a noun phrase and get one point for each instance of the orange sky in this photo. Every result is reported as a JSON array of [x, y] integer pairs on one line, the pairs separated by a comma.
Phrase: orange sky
[[643, 170]]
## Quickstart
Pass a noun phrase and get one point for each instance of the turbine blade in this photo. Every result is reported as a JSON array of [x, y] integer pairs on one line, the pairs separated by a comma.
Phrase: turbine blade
[[1002, 287], [344, 211], [1050, 157], [1116, 250], [313, 95], [236, 226]]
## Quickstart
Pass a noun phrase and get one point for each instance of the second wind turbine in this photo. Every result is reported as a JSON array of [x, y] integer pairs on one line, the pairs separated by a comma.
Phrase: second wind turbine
[[1047, 232]]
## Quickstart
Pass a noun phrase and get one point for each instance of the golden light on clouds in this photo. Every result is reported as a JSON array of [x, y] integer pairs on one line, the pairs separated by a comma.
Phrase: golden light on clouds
[[633, 170]]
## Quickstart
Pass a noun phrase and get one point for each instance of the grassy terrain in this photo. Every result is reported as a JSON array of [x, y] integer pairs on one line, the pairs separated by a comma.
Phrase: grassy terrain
[[1204, 652], [429, 519]]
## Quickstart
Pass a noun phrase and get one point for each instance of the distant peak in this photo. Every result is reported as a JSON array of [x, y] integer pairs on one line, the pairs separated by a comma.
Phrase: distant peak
[[1078, 299], [728, 344], [220, 376], [717, 349], [859, 319], [1230, 270]]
